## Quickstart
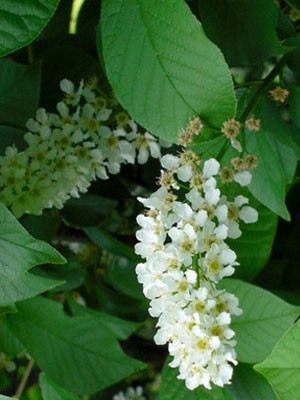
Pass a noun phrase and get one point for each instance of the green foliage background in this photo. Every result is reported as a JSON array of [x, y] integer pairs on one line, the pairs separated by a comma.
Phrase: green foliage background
[[165, 61]]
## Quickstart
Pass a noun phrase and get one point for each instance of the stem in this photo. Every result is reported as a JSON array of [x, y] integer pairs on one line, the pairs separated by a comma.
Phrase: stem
[[267, 81], [250, 83], [24, 379], [223, 150], [182, 185], [196, 266]]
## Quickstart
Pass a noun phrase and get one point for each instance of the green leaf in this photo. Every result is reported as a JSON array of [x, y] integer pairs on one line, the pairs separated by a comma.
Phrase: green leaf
[[43, 227], [245, 30], [120, 273], [88, 210], [293, 58], [274, 146], [105, 241], [22, 22], [172, 388], [121, 328], [259, 236], [75, 352], [162, 67], [285, 27], [19, 253], [264, 320], [51, 391], [10, 308], [282, 366], [19, 91], [268, 180], [294, 103], [6, 397], [249, 385], [72, 274], [8, 341]]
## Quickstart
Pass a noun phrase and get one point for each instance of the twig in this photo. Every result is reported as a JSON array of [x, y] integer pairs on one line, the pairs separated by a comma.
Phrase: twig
[[24, 379], [267, 81]]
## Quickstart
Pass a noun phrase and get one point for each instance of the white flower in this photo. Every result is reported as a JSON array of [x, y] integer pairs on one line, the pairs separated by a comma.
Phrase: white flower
[[243, 178], [248, 214], [219, 262], [145, 144], [67, 86], [233, 211], [184, 173], [211, 168], [170, 162]]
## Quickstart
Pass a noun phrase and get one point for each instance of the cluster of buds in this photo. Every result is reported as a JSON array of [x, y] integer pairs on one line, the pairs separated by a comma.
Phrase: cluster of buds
[[232, 127], [194, 128], [183, 241], [252, 124], [279, 94], [230, 174]]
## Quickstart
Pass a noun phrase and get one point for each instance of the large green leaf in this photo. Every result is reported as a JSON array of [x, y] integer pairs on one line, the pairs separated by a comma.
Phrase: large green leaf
[[258, 236], [19, 92], [107, 242], [43, 227], [162, 67], [78, 353], [22, 21], [274, 146], [249, 385], [51, 391], [120, 273], [172, 388], [88, 210], [19, 252], [264, 320], [245, 30], [73, 274], [121, 328], [8, 342], [268, 181], [282, 366]]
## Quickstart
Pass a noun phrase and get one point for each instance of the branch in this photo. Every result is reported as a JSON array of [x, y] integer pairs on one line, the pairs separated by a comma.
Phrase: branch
[[24, 379], [267, 81]]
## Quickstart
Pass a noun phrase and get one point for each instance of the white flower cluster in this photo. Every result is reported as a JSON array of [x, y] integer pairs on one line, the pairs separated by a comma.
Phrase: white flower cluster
[[130, 394], [183, 241], [85, 140]]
